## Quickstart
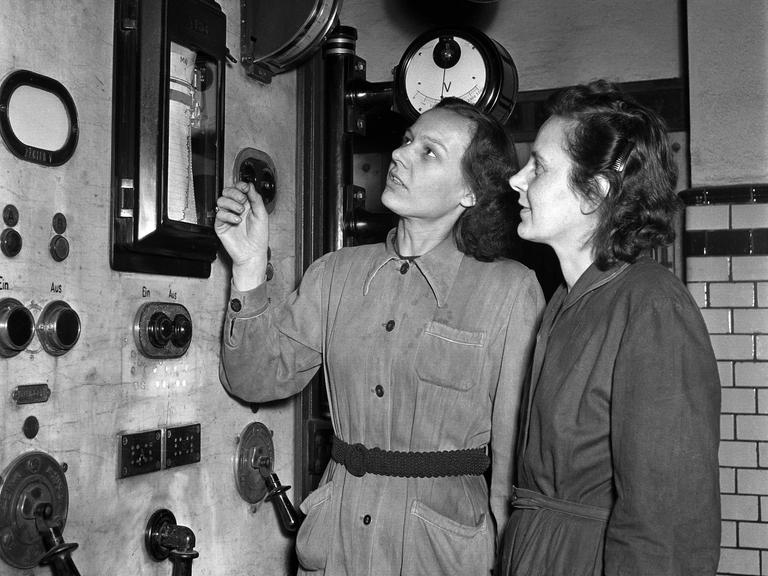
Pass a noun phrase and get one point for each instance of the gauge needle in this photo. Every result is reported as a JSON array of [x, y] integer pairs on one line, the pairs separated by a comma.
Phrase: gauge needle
[[442, 86]]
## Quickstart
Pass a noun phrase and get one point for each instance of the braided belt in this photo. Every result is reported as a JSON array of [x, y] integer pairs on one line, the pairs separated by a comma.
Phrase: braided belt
[[359, 460]]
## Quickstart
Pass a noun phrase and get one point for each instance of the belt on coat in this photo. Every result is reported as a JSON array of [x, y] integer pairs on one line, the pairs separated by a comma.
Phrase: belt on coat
[[529, 499], [359, 460]]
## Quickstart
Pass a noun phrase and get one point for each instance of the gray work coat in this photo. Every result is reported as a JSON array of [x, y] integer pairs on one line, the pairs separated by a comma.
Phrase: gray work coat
[[422, 356]]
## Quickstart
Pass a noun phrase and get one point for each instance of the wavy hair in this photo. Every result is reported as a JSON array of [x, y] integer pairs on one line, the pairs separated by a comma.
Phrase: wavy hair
[[487, 230], [614, 138]]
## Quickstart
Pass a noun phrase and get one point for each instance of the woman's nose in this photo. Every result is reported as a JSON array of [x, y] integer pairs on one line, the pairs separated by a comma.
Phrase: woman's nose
[[518, 181], [397, 154]]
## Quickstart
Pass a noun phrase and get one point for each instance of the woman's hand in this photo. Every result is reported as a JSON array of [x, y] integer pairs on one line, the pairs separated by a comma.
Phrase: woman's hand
[[242, 225]]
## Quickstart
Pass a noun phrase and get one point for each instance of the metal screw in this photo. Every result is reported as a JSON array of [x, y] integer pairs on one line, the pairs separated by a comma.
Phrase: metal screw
[[64, 466], [125, 441]]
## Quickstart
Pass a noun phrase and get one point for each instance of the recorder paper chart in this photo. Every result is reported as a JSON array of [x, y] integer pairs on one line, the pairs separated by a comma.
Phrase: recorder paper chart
[[183, 114]]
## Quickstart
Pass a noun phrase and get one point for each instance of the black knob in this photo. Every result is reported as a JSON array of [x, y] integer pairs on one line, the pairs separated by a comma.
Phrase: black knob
[[59, 248], [58, 328], [182, 331], [160, 329], [17, 327], [10, 215], [10, 242], [59, 223]]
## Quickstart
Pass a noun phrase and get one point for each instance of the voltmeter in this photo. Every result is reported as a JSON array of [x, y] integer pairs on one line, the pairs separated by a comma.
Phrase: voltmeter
[[461, 62]]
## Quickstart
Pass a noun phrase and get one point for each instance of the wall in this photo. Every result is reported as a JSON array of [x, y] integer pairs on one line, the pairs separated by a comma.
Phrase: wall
[[727, 241], [102, 386], [553, 43]]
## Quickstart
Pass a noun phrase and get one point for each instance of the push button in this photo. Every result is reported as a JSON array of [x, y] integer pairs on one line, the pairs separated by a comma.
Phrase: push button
[[379, 390], [389, 326], [404, 268], [367, 519], [236, 305]]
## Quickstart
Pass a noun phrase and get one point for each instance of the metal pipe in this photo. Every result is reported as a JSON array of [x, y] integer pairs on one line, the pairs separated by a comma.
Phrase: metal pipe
[[339, 53]]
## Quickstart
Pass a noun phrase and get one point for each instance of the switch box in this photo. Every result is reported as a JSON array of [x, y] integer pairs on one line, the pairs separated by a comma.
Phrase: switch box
[[182, 445], [139, 453]]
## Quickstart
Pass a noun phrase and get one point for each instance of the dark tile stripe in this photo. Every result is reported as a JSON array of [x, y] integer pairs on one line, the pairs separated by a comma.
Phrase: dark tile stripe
[[732, 194], [745, 242]]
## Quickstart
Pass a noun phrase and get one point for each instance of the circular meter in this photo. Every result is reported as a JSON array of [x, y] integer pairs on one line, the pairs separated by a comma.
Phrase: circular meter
[[460, 62]]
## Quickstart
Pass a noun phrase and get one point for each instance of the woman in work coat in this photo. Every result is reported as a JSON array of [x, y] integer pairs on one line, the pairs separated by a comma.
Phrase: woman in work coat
[[617, 460], [424, 340]]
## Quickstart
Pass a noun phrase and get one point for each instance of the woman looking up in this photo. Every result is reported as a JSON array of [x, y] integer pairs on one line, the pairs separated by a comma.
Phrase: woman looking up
[[424, 340]]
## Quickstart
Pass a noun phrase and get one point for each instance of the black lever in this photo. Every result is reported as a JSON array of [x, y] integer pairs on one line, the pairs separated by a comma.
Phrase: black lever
[[58, 553], [164, 538], [289, 516]]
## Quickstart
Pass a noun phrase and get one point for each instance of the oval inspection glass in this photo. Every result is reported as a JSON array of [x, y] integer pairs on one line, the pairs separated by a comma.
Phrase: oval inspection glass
[[38, 118]]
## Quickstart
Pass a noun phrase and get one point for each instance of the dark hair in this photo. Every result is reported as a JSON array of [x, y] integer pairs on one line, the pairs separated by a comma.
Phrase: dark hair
[[487, 230], [613, 137]]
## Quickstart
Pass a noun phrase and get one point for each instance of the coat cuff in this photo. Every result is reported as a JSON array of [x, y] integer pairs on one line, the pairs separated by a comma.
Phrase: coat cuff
[[247, 304]]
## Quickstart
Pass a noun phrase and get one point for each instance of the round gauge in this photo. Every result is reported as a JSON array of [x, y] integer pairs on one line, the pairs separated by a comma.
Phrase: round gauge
[[459, 62]]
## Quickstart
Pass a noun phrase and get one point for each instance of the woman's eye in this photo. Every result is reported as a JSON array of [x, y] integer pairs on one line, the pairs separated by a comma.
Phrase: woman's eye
[[429, 152], [406, 141]]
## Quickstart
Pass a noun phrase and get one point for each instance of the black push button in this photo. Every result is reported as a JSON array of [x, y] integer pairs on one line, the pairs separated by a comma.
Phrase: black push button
[[367, 519], [389, 326], [236, 305], [379, 390], [404, 268]]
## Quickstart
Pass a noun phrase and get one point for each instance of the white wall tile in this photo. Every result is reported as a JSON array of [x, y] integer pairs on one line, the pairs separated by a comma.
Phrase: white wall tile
[[707, 217]]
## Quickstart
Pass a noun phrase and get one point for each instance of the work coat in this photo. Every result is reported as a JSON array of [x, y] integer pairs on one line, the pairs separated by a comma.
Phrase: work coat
[[618, 454], [426, 355]]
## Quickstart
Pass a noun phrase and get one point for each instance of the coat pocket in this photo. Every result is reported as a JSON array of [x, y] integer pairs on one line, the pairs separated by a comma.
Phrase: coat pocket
[[450, 357], [315, 533], [436, 544]]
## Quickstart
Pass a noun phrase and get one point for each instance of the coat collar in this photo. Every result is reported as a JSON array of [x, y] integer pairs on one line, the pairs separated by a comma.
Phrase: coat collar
[[440, 265], [590, 280]]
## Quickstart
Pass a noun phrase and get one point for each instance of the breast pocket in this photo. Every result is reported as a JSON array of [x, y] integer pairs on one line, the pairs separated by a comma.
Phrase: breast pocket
[[450, 357]]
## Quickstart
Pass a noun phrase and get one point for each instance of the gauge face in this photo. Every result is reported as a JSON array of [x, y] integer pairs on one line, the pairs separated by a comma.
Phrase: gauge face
[[427, 82]]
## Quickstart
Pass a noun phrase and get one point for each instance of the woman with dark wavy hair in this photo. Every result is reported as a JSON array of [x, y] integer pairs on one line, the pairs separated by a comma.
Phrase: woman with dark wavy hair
[[424, 340], [617, 459]]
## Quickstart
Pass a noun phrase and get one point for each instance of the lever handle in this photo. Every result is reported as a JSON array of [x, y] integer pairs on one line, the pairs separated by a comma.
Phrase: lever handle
[[59, 552], [289, 516]]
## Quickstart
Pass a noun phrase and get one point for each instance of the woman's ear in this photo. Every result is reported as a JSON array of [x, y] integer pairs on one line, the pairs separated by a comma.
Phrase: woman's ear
[[469, 199], [603, 185]]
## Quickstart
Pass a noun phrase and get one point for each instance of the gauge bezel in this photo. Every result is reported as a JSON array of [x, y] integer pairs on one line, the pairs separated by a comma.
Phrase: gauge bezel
[[500, 91]]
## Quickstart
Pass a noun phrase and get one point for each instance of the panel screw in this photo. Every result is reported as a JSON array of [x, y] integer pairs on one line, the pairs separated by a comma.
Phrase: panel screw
[[125, 441]]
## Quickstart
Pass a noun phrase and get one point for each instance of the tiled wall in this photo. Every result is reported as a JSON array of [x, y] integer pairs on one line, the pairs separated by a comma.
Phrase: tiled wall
[[726, 262]]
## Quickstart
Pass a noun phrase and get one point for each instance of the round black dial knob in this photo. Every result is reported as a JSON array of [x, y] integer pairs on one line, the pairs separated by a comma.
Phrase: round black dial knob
[[10, 242], [160, 329], [182, 331]]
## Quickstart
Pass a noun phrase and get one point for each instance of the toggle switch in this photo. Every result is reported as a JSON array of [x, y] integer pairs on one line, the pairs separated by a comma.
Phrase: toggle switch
[[58, 327], [17, 327]]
